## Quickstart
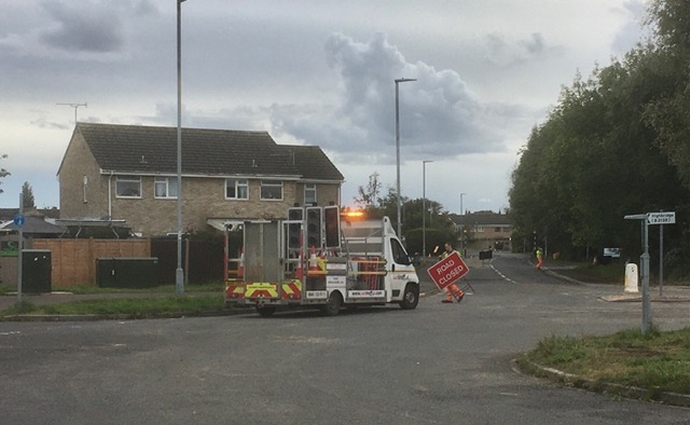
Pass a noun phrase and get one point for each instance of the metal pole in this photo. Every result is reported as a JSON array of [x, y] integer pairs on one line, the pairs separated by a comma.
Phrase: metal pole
[[423, 208], [661, 260], [646, 304], [179, 272], [462, 227], [20, 245], [424, 162], [397, 151], [644, 270]]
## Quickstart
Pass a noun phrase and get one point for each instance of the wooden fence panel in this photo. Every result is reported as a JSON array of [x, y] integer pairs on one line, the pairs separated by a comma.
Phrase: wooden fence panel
[[74, 260]]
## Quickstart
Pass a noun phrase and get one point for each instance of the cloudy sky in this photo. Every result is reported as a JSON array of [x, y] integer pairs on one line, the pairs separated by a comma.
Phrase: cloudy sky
[[317, 72]]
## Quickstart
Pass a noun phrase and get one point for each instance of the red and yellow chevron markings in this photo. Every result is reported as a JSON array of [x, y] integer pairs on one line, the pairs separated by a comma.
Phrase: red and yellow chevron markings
[[292, 290], [234, 288], [261, 290]]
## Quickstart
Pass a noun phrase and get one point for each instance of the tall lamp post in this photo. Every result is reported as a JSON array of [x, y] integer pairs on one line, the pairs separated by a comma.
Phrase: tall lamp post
[[462, 226], [424, 162], [397, 147], [179, 273]]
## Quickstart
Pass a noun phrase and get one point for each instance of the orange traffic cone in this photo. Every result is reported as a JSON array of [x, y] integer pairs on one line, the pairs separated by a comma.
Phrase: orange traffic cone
[[313, 264]]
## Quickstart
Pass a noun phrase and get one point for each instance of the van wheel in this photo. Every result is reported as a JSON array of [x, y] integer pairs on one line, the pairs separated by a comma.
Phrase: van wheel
[[410, 298], [332, 307], [266, 310]]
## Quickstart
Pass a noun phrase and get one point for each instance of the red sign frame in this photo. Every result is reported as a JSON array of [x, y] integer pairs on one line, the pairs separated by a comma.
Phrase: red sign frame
[[448, 270]]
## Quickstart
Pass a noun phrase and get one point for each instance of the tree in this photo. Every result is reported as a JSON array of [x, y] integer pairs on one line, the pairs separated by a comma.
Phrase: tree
[[368, 196], [3, 172], [28, 196]]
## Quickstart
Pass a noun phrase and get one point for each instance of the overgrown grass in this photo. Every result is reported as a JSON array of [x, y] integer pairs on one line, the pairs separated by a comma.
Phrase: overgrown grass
[[656, 361]]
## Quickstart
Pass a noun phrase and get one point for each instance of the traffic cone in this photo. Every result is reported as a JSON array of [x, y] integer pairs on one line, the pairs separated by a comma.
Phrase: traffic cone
[[313, 264]]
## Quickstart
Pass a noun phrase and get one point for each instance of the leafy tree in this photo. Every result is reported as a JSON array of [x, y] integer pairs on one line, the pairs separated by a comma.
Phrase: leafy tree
[[3, 172], [595, 160], [368, 196], [28, 196], [439, 226], [670, 21]]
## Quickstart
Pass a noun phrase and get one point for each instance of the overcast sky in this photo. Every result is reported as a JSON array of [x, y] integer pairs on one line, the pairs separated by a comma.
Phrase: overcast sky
[[317, 72]]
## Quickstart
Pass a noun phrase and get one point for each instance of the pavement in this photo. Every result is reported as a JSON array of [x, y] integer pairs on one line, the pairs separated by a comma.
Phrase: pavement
[[670, 293]]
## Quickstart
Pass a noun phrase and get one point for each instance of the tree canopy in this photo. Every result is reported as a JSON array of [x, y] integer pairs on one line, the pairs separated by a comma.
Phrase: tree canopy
[[28, 196], [616, 143]]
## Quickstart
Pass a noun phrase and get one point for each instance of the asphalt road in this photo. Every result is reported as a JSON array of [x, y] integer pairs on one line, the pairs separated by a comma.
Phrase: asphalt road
[[438, 364]]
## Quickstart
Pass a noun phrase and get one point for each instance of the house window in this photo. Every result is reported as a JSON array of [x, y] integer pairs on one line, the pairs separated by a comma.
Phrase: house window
[[309, 194], [236, 189], [128, 187], [165, 187], [272, 189]]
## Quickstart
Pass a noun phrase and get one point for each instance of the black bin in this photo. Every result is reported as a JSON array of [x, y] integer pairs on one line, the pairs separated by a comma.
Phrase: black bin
[[486, 255], [36, 268], [126, 272]]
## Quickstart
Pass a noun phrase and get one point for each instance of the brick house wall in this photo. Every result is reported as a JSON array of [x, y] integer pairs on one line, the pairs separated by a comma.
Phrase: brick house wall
[[203, 197], [77, 164]]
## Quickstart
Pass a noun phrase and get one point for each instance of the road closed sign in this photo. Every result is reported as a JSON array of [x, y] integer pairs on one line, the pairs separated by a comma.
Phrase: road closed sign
[[448, 270]]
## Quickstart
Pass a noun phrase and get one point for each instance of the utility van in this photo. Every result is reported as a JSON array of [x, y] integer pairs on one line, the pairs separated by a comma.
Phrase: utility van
[[318, 258]]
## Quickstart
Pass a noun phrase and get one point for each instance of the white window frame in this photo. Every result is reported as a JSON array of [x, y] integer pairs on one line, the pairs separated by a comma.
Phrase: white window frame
[[310, 188], [169, 186], [127, 180], [271, 185], [239, 184]]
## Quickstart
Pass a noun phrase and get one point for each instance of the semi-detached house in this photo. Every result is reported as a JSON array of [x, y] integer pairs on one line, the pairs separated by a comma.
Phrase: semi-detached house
[[129, 172]]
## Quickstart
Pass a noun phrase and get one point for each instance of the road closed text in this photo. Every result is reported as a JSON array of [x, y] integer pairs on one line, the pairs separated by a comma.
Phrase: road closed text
[[449, 272]]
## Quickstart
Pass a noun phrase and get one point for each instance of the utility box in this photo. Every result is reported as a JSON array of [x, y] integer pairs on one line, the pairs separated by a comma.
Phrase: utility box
[[36, 271], [126, 272]]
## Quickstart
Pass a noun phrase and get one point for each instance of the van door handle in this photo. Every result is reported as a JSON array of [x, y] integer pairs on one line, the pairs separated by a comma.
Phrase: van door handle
[[393, 267]]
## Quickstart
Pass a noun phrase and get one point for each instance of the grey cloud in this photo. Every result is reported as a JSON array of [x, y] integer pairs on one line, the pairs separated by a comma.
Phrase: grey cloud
[[632, 32], [88, 27], [504, 53], [145, 8], [438, 115], [535, 44]]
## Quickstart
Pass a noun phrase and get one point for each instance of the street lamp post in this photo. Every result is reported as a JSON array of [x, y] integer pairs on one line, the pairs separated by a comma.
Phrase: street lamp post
[[179, 273], [462, 226], [424, 162], [397, 147]]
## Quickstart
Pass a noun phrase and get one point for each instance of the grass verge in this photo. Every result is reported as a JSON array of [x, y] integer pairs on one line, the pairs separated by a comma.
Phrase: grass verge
[[93, 289], [140, 307], [656, 361]]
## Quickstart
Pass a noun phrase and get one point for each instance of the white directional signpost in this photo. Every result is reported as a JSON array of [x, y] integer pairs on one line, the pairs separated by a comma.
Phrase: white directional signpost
[[652, 218], [661, 218]]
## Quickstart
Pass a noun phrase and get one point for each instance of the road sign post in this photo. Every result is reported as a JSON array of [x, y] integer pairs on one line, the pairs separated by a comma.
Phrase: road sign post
[[661, 218], [448, 270], [19, 222], [647, 219]]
